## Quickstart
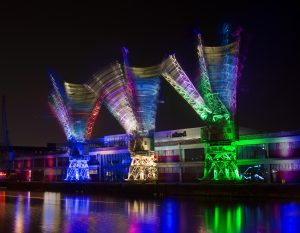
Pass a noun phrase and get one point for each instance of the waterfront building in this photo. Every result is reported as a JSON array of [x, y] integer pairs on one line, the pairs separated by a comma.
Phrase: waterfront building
[[179, 156]]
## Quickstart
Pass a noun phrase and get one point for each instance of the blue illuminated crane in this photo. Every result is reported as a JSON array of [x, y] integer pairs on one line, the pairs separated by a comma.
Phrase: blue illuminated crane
[[76, 108]]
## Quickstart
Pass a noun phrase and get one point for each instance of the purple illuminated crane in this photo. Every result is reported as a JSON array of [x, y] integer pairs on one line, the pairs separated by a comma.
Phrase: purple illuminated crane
[[130, 94]]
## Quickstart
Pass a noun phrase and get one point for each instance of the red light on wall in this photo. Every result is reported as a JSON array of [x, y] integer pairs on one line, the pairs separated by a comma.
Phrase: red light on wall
[[51, 177], [50, 162], [2, 174], [28, 175], [50, 174], [28, 163], [19, 163]]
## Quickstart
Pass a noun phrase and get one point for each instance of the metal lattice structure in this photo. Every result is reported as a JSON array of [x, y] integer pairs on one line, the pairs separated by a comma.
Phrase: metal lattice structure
[[111, 85], [131, 94], [84, 107], [58, 106], [143, 167], [146, 83], [219, 65], [222, 67], [76, 108], [78, 170], [174, 74], [214, 100], [220, 162], [211, 98]]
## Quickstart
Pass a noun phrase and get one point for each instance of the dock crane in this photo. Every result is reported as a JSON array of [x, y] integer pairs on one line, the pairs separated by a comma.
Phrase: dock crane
[[8, 150]]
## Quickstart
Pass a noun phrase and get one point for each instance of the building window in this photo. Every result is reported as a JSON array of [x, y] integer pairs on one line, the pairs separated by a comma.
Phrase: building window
[[194, 154]]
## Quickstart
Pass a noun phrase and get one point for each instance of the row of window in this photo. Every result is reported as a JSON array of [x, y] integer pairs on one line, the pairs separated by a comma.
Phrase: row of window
[[168, 152], [114, 159], [251, 152], [43, 162], [272, 150], [168, 169], [286, 167]]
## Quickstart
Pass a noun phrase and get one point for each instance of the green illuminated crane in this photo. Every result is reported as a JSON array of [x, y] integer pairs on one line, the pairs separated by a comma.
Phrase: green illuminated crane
[[213, 97]]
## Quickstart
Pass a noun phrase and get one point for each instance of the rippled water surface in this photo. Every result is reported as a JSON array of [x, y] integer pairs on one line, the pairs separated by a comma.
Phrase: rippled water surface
[[55, 212]]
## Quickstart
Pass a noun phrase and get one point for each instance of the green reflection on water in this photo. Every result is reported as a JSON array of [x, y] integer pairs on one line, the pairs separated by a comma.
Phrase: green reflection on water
[[222, 219]]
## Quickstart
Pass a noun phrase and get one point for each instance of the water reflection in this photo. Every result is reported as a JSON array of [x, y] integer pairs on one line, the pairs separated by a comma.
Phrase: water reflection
[[142, 215], [22, 213], [51, 212], [55, 212], [2, 208], [77, 213], [77, 205], [169, 216], [290, 220], [224, 218]]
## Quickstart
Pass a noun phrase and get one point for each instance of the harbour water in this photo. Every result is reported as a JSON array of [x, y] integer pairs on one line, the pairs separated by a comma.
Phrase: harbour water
[[55, 212]]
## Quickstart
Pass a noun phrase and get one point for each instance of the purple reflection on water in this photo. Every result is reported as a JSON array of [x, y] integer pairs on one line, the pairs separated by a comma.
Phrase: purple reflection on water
[[142, 216], [77, 215], [22, 213], [56, 212]]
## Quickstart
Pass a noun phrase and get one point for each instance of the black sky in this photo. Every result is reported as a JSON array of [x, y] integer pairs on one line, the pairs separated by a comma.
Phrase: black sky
[[76, 39]]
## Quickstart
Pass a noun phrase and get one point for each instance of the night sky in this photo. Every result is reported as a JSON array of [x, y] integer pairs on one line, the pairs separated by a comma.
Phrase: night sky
[[78, 39]]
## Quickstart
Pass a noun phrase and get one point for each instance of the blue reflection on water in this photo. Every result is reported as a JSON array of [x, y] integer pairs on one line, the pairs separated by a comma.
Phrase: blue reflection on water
[[77, 205], [76, 214], [169, 219], [55, 213], [290, 217]]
